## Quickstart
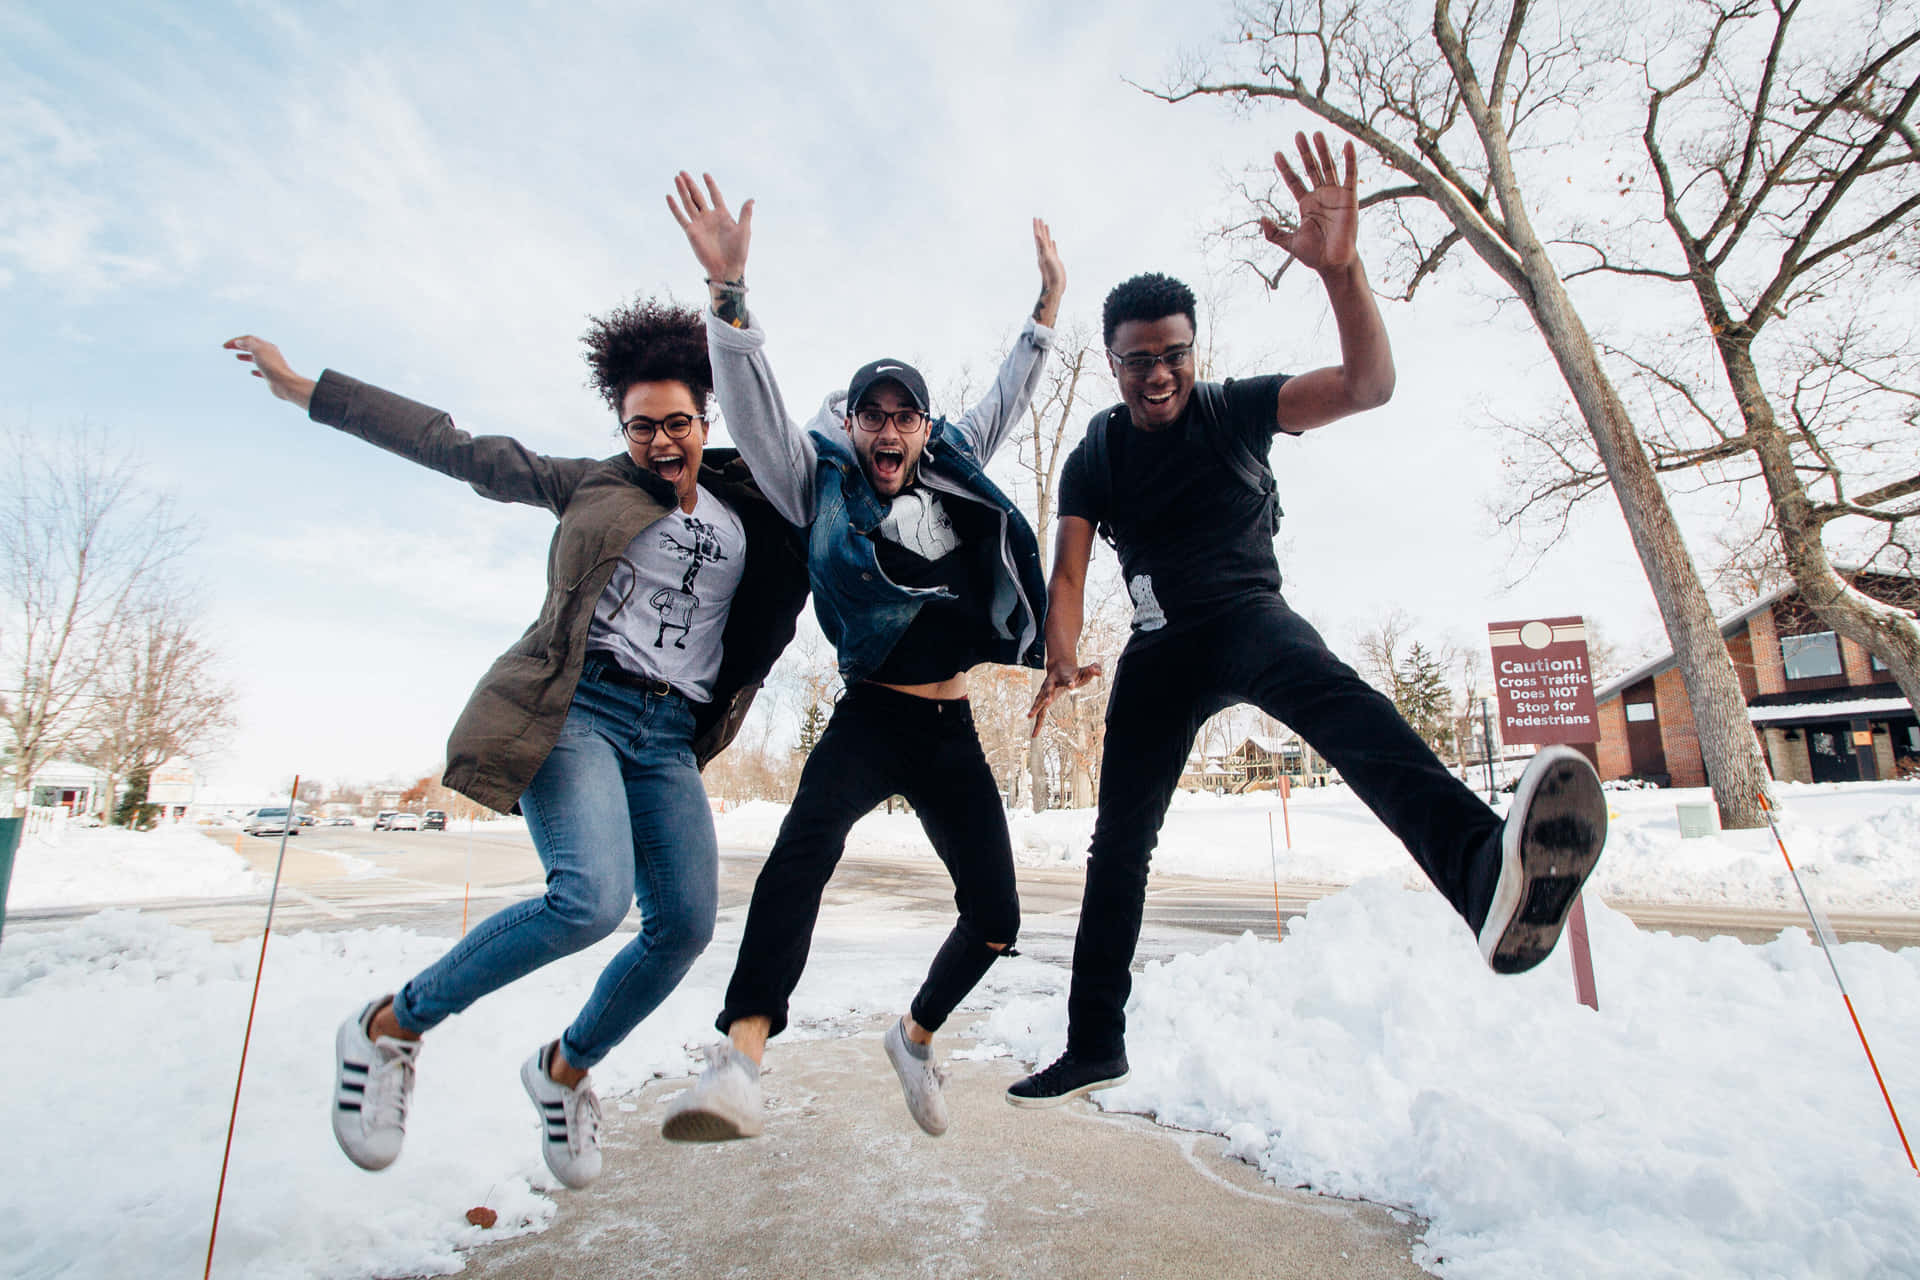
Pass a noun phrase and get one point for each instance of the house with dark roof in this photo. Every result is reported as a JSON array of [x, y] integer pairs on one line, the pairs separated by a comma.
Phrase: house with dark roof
[[1824, 709]]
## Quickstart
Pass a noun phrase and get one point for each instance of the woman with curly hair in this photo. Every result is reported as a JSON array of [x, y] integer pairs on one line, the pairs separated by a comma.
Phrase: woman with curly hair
[[672, 585]]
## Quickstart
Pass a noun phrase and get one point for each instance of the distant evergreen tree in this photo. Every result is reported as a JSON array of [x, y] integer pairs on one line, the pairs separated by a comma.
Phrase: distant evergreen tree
[[1422, 696], [811, 727]]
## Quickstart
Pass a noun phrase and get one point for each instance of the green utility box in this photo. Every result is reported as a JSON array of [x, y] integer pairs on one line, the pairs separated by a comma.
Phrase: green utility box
[[10, 829]]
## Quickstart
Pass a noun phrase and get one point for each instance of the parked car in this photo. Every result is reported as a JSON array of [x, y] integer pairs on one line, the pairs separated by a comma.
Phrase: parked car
[[308, 820], [265, 822], [433, 820], [383, 820], [404, 822], [339, 822]]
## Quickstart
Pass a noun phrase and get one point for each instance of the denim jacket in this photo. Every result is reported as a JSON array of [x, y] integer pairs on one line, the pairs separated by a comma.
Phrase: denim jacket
[[863, 613], [814, 479]]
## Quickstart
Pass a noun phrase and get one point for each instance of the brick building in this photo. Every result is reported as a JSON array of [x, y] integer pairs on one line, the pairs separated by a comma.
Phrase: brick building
[[1823, 708]]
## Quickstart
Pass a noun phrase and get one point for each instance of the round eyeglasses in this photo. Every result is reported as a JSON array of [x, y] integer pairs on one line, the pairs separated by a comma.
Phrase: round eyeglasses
[[675, 425], [907, 420]]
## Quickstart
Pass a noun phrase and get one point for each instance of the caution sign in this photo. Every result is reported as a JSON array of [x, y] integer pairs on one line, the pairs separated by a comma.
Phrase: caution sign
[[1545, 685]]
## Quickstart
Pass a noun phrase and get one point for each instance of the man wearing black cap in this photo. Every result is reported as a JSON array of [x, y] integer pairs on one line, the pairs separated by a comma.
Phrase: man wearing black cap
[[921, 568]]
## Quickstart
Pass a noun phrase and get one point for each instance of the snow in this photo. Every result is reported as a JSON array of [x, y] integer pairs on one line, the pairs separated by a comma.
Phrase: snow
[[1716, 1117], [1831, 710], [109, 864]]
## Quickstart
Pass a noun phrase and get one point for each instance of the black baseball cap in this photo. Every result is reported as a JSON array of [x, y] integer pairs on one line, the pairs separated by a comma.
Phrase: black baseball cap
[[888, 371]]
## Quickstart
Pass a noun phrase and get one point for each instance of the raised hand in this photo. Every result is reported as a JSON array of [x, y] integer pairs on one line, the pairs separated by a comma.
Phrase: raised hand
[[719, 242], [1325, 236], [1061, 676], [268, 363], [1053, 275]]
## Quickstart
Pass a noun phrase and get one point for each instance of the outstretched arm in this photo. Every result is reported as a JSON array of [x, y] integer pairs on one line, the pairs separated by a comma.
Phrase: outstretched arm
[[1325, 240], [987, 424], [498, 467], [777, 449], [1066, 604]]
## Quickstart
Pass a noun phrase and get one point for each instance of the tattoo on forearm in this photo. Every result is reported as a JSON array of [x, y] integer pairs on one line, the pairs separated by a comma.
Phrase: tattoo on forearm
[[730, 301], [1040, 307]]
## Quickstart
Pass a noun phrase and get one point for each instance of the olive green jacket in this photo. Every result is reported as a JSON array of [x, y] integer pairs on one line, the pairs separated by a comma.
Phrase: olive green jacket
[[514, 716]]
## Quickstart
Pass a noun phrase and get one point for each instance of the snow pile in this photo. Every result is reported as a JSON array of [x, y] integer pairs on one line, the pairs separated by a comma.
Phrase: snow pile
[[1716, 1117], [111, 864]]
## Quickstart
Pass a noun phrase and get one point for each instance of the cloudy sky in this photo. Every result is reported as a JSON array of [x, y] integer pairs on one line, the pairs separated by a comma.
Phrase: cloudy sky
[[434, 198]]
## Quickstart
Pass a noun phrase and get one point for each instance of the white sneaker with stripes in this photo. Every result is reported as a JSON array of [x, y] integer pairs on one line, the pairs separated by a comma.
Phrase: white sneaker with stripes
[[569, 1122], [372, 1085]]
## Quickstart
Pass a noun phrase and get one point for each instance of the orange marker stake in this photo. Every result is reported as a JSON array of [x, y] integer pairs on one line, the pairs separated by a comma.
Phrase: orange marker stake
[[1274, 858], [1824, 932]]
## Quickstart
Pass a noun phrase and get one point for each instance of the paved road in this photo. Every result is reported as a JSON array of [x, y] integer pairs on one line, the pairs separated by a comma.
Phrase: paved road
[[338, 877]]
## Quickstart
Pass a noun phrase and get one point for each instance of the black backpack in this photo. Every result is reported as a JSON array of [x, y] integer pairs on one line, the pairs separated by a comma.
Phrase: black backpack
[[1207, 418]]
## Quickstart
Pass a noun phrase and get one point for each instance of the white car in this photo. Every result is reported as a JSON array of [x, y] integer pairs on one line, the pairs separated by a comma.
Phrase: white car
[[270, 822], [404, 822]]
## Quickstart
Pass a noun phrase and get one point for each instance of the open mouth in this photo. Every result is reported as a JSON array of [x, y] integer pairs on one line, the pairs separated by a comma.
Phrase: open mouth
[[668, 466], [1160, 401], [889, 462]]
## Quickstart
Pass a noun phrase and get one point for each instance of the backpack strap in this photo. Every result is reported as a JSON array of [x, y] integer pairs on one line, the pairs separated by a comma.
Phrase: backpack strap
[[1100, 468], [1209, 418]]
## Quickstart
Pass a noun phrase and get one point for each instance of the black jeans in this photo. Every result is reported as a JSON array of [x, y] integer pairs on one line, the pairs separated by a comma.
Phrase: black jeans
[[1262, 652], [881, 743]]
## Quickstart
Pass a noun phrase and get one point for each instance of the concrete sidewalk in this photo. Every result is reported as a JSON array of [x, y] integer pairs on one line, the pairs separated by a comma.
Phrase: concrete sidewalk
[[843, 1185]]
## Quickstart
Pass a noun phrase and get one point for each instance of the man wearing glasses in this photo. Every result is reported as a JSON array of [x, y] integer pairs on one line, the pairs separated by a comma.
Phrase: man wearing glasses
[[921, 568], [1177, 476]]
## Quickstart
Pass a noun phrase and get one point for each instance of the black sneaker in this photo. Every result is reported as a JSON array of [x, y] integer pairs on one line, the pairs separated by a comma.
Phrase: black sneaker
[[1549, 845], [1066, 1080]]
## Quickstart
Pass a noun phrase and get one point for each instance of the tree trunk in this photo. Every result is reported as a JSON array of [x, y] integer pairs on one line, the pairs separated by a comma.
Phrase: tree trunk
[[1037, 773], [1728, 746], [1880, 628]]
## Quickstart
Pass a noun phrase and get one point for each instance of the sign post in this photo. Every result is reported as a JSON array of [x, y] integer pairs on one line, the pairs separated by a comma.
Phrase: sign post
[[1545, 686]]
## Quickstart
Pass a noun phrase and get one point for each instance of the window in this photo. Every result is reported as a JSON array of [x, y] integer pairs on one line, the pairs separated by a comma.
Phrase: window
[[1637, 711], [1809, 657], [1878, 663]]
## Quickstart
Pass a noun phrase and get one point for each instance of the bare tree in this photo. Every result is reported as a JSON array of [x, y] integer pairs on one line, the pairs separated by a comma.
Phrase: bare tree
[[1786, 168], [157, 694], [80, 542], [1448, 105], [1054, 422]]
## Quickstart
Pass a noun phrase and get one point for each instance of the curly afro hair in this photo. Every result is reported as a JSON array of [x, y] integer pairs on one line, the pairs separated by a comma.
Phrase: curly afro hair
[[648, 340], [1146, 297]]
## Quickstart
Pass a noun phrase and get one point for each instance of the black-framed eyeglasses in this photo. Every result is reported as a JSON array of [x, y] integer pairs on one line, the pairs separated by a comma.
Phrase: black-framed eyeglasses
[[907, 420], [676, 426], [1139, 363]]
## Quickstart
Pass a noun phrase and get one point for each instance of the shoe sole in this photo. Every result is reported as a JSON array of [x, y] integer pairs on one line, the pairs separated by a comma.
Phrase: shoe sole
[[1545, 860], [896, 1056], [700, 1125], [1095, 1086]]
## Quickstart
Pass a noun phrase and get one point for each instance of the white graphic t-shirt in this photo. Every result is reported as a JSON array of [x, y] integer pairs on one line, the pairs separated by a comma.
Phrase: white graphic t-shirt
[[665, 607], [918, 522]]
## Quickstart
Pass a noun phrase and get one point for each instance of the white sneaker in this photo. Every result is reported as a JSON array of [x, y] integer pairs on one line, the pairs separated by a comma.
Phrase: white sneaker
[[372, 1085], [569, 1121], [1548, 847], [723, 1103], [921, 1080]]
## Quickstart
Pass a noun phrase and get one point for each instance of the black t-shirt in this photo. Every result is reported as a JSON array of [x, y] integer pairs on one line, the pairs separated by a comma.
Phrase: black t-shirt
[[947, 636], [1193, 538]]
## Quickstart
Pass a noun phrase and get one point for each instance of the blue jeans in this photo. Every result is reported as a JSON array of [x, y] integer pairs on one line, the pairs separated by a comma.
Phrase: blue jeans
[[617, 813]]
